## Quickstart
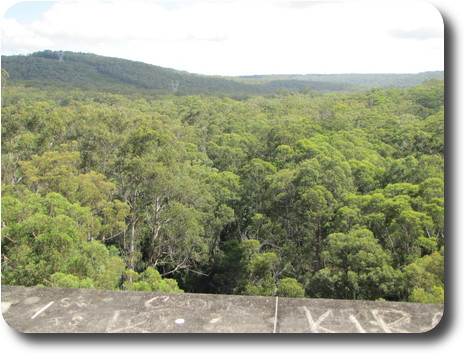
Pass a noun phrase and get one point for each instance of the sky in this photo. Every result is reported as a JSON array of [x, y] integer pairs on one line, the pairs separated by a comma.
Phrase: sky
[[234, 37]]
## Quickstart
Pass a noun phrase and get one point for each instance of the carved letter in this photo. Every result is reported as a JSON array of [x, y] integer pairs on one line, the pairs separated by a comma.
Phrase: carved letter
[[379, 316], [316, 326]]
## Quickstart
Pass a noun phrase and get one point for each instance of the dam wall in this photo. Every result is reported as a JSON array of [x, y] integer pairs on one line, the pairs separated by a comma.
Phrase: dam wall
[[69, 310]]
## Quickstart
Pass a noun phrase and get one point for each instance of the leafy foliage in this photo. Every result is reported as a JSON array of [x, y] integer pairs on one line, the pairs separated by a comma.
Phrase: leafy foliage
[[335, 195]]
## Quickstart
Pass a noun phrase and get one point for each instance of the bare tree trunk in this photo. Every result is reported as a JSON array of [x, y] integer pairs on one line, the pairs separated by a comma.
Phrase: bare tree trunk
[[154, 236], [131, 244], [156, 226]]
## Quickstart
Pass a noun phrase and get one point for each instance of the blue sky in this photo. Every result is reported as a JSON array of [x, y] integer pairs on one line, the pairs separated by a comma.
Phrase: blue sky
[[237, 37], [28, 11]]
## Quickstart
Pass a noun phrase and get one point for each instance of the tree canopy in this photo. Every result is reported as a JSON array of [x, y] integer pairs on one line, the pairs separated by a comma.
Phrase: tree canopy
[[331, 195]]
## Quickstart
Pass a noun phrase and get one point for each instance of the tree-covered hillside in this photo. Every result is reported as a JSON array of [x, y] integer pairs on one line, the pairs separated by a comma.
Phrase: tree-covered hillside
[[78, 70], [70, 70], [363, 80], [330, 195]]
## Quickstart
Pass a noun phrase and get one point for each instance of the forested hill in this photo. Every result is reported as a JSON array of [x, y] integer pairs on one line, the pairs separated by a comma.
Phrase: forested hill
[[80, 70], [90, 71], [360, 80]]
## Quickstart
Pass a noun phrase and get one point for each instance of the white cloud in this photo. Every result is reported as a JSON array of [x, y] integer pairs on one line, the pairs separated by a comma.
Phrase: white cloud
[[20, 38], [241, 37], [423, 33]]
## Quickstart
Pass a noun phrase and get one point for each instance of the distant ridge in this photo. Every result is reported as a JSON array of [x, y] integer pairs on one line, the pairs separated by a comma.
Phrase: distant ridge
[[380, 80], [91, 71]]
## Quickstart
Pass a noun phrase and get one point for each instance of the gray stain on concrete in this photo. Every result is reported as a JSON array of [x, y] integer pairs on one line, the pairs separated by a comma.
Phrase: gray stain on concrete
[[49, 310]]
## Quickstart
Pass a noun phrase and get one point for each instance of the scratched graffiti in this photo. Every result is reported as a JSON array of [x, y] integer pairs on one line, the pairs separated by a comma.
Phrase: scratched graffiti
[[156, 315], [60, 310], [377, 320], [388, 321]]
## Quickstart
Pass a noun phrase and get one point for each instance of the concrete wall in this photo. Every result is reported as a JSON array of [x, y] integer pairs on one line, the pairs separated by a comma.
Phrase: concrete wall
[[36, 309]]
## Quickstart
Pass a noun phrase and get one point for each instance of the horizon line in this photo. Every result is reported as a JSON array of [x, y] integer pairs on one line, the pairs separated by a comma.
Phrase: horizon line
[[231, 76]]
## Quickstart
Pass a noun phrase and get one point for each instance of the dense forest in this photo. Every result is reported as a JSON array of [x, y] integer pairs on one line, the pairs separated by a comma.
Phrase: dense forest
[[321, 194]]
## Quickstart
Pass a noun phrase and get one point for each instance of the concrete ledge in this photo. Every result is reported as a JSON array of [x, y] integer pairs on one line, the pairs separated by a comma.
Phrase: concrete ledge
[[68, 310]]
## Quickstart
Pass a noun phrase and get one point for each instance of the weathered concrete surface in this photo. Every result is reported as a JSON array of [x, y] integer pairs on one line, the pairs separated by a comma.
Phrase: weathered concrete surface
[[36, 309]]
